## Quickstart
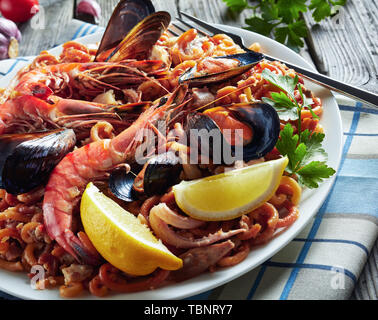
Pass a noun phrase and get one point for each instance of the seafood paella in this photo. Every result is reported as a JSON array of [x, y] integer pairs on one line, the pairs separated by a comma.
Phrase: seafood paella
[[150, 158]]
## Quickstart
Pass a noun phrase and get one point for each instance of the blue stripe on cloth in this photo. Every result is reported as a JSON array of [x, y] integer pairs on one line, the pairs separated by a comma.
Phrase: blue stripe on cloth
[[361, 134], [95, 30], [201, 296], [257, 282], [318, 218], [352, 109], [311, 266], [13, 66], [358, 244], [86, 30], [76, 35]]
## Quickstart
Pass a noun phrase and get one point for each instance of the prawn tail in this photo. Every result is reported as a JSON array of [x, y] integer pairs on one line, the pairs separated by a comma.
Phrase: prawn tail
[[78, 250]]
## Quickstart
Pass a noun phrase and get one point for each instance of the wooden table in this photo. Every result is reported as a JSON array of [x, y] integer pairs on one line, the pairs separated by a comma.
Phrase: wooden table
[[345, 48]]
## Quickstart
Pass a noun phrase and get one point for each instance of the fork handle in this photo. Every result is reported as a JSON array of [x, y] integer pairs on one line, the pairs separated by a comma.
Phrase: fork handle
[[332, 84]]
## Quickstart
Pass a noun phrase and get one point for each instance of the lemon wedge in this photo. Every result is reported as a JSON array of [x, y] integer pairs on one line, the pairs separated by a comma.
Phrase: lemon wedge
[[121, 238], [229, 195]]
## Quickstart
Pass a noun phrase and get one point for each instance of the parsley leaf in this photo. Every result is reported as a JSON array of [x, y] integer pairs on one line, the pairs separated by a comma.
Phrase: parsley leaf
[[285, 83], [259, 25], [284, 102], [301, 156], [286, 109], [290, 9], [324, 8], [292, 34], [283, 19], [269, 10], [288, 146], [313, 142], [236, 5], [313, 173]]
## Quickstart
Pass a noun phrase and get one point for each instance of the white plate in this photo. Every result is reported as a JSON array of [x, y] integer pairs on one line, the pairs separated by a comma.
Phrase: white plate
[[18, 284]]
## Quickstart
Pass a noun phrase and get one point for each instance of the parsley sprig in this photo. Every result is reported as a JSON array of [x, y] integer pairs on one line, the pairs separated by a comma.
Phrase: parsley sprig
[[301, 156], [282, 19], [307, 158], [287, 106]]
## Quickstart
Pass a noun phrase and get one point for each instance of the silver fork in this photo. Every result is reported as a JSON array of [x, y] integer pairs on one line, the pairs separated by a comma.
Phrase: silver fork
[[320, 79]]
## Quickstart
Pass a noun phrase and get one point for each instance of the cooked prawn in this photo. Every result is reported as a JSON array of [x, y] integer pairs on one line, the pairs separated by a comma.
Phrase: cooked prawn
[[86, 79], [72, 174], [28, 113]]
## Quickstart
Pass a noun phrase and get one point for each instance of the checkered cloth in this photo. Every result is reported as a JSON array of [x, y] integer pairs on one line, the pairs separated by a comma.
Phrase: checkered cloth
[[325, 260]]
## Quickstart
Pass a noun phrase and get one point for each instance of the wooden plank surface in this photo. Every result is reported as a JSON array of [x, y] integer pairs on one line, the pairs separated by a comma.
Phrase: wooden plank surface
[[346, 47], [107, 7], [45, 32]]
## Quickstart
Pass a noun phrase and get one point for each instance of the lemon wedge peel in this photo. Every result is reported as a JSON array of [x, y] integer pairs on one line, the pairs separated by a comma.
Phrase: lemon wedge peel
[[121, 238], [212, 198]]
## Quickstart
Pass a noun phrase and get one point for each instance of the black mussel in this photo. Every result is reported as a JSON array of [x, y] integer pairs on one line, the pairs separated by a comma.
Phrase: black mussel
[[218, 69], [126, 15], [139, 41], [157, 175], [161, 172], [204, 135], [262, 120], [265, 124], [121, 184], [26, 160]]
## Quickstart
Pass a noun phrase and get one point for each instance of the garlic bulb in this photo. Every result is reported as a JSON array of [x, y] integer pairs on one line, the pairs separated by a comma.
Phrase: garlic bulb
[[9, 39]]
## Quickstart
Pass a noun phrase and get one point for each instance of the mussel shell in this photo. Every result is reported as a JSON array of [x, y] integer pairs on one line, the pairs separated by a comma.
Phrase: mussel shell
[[7, 144], [28, 164], [246, 61], [198, 129], [260, 117], [121, 184], [162, 172], [265, 123], [139, 41], [126, 15]]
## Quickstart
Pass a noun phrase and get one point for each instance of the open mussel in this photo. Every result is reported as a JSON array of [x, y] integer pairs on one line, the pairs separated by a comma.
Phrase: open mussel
[[157, 175], [258, 122], [133, 29], [205, 136], [126, 15], [218, 69], [265, 124], [121, 184], [26, 160], [161, 172], [139, 41]]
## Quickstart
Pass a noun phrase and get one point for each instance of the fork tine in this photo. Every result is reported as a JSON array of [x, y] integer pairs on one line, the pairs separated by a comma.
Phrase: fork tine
[[175, 34], [193, 27], [203, 24], [178, 27], [237, 39]]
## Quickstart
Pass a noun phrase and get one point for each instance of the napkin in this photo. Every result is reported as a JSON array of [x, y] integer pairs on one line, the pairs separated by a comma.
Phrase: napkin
[[327, 258]]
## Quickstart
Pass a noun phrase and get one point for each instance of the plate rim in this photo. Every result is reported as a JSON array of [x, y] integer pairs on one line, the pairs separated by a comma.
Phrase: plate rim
[[153, 294]]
